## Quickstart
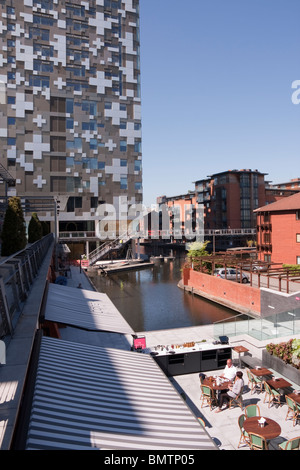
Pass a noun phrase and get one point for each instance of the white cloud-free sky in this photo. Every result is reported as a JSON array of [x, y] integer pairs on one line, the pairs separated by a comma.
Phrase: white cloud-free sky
[[216, 87]]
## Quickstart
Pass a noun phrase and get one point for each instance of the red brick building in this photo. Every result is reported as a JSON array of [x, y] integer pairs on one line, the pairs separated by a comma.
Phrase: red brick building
[[278, 230]]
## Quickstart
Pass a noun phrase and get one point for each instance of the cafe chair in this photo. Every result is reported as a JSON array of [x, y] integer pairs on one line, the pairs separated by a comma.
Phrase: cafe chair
[[201, 421], [254, 382], [293, 409], [208, 396], [244, 437], [252, 410], [272, 395], [238, 400], [291, 444], [257, 442]]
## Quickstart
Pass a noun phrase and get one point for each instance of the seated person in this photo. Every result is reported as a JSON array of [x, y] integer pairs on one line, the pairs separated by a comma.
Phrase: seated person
[[230, 371], [233, 392]]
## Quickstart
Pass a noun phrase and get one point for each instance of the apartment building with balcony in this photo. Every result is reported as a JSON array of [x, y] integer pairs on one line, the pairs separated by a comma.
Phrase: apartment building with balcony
[[230, 197], [278, 230], [70, 105]]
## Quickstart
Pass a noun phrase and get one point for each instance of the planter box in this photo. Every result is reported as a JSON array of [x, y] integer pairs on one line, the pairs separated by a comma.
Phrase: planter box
[[274, 362]]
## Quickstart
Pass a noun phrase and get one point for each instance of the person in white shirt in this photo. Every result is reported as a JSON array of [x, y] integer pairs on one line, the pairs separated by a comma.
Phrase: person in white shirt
[[230, 371], [233, 392]]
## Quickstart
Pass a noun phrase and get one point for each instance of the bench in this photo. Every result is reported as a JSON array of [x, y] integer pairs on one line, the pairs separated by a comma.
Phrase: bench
[[251, 361]]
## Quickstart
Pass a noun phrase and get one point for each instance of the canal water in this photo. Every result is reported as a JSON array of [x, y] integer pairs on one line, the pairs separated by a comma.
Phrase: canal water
[[149, 298]]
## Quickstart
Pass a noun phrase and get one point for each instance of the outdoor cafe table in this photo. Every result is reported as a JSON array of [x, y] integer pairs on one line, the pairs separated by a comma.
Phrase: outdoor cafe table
[[278, 383], [239, 350], [211, 382], [270, 430], [295, 396], [261, 372]]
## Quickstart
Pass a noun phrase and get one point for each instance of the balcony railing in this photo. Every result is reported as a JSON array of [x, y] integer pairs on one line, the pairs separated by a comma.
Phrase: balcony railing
[[274, 326], [17, 274]]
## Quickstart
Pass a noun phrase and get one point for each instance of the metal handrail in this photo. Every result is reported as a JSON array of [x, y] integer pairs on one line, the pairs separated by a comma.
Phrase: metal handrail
[[17, 274]]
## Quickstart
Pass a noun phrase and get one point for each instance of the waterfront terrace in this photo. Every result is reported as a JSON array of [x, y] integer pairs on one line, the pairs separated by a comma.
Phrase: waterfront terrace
[[100, 365]]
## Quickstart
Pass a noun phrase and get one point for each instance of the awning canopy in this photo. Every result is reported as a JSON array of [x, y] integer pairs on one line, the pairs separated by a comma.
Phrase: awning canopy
[[88, 397], [85, 309]]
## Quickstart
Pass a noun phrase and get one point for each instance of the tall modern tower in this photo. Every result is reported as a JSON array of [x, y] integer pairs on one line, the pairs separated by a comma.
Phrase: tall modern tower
[[70, 112]]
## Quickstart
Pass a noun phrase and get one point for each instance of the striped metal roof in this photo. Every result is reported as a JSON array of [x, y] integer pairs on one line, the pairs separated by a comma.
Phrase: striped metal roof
[[86, 309], [87, 397]]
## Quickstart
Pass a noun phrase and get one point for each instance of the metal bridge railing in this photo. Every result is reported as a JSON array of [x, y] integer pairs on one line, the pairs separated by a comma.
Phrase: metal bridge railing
[[17, 274]]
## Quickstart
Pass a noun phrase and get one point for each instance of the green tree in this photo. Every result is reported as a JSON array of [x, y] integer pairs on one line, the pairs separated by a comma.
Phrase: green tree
[[35, 229], [14, 229], [195, 252], [45, 227]]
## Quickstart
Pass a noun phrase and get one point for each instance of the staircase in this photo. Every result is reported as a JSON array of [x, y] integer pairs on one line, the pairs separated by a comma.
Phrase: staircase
[[105, 248]]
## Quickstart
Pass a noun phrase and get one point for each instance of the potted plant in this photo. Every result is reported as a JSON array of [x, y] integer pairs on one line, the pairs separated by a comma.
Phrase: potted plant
[[284, 358]]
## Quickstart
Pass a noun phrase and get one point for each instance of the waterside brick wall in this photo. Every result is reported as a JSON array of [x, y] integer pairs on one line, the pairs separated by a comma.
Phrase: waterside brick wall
[[241, 297]]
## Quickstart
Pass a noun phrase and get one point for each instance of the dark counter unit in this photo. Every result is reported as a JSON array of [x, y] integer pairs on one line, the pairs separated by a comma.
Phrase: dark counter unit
[[194, 361]]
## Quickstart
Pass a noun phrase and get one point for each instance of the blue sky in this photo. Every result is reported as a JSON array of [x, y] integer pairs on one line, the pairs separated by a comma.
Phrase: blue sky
[[216, 84]]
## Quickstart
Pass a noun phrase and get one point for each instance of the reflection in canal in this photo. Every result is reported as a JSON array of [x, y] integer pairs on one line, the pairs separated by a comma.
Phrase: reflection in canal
[[149, 299]]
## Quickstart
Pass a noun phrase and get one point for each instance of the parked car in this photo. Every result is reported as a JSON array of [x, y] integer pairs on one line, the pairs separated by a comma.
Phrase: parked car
[[255, 267], [231, 274]]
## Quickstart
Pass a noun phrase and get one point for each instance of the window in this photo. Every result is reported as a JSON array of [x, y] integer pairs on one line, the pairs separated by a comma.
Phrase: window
[[89, 126], [297, 215], [298, 237], [70, 123], [57, 163], [74, 144], [90, 107], [46, 4], [74, 203], [57, 124], [123, 182], [10, 10], [137, 146], [57, 144], [123, 162], [93, 144], [39, 81], [70, 162], [39, 33], [57, 184], [70, 105], [11, 100], [137, 165], [90, 163], [45, 20], [298, 260], [41, 66], [123, 145], [94, 202], [11, 141], [11, 121], [57, 105], [137, 186]]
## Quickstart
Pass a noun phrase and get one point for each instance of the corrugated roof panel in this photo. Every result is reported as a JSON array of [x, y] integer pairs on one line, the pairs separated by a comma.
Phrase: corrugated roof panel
[[85, 309], [95, 398]]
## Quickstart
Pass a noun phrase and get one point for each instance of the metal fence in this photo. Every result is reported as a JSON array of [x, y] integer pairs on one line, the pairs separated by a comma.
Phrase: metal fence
[[17, 274]]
